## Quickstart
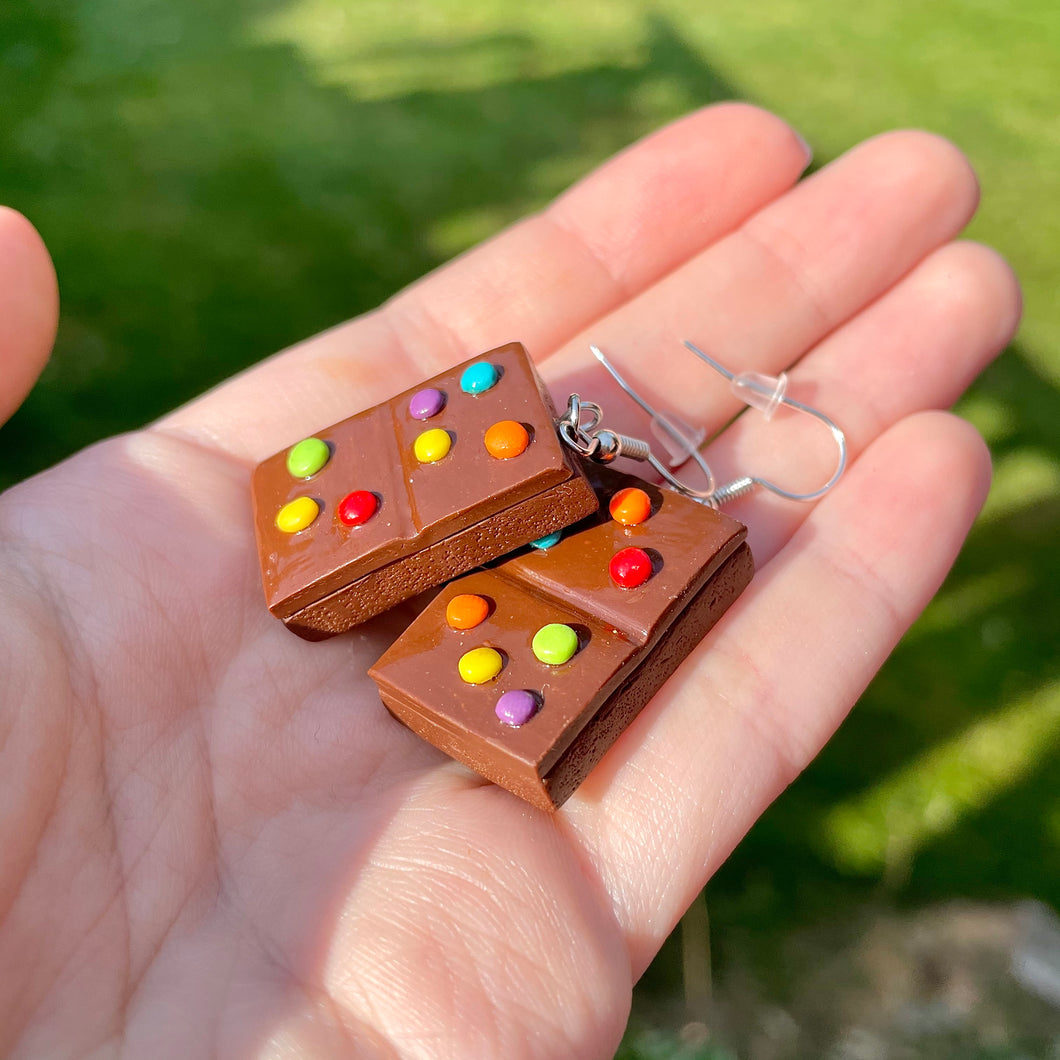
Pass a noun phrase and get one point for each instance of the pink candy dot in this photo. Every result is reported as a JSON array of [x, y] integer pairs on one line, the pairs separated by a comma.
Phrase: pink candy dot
[[426, 403], [516, 707]]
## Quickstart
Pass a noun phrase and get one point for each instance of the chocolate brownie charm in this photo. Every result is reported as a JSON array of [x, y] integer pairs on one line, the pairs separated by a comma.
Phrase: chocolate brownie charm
[[404, 496], [533, 695]]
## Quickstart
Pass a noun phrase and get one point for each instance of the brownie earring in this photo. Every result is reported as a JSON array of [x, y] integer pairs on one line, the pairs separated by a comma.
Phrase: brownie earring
[[581, 429], [404, 496], [529, 671]]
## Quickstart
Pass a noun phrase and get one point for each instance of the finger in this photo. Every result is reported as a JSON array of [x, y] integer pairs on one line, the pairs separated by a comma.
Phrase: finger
[[916, 348], [756, 701], [764, 295], [609, 237], [541, 281], [29, 309]]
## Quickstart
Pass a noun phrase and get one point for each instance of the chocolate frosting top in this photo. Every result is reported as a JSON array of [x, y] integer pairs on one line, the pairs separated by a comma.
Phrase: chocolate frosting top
[[568, 583], [419, 503], [679, 536]]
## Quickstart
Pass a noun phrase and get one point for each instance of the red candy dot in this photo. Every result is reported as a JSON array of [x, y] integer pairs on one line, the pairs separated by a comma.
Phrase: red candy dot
[[630, 567], [358, 507]]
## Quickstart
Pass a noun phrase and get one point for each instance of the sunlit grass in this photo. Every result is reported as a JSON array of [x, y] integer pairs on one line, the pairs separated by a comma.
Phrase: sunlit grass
[[880, 831], [960, 605], [1022, 479], [982, 74]]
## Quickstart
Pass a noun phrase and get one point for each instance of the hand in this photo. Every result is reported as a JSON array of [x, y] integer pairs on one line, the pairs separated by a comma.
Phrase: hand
[[217, 842]]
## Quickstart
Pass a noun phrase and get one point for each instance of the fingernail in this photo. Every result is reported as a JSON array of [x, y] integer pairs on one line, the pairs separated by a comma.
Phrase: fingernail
[[806, 148]]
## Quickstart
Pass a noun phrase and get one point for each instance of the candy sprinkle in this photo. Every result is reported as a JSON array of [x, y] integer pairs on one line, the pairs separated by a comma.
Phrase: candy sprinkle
[[547, 541], [357, 507], [480, 665], [426, 403], [478, 378], [630, 506], [555, 643], [297, 515], [516, 707], [506, 439], [466, 611], [307, 457], [630, 567], [432, 445]]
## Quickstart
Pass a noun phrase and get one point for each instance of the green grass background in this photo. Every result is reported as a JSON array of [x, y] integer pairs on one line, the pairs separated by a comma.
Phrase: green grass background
[[217, 180]]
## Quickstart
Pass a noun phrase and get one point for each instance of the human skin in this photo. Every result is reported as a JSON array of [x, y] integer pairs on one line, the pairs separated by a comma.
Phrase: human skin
[[215, 840]]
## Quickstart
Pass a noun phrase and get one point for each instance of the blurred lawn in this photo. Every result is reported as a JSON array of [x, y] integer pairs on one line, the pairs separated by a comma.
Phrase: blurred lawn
[[218, 180]]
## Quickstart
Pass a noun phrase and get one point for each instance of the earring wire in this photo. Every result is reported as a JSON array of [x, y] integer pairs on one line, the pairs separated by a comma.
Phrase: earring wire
[[766, 393], [763, 392], [681, 440]]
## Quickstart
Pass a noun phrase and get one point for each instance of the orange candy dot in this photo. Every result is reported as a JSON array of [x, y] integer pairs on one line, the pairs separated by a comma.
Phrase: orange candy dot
[[630, 506], [466, 611], [506, 439]]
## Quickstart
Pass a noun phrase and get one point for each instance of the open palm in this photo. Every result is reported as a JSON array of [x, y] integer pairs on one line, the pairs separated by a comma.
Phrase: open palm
[[216, 842]]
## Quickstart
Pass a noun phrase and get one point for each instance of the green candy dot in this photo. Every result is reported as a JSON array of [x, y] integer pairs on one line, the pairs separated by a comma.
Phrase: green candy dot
[[555, 643], [308, 457]]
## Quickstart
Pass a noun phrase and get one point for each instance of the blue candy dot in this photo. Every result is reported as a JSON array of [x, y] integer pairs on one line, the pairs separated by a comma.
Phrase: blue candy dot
[[548, 540], [478, 378]]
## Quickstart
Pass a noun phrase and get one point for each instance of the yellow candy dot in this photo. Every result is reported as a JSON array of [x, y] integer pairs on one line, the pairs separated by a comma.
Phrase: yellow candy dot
[[432, 445], [480, 665], [297, 515]]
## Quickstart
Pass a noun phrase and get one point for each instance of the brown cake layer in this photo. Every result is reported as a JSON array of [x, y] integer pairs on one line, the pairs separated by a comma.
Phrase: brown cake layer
[[390, 585], [435, 520], [630, 641]]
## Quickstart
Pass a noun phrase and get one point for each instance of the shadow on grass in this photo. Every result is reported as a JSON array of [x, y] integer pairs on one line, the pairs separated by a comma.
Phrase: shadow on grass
[[208, 200]]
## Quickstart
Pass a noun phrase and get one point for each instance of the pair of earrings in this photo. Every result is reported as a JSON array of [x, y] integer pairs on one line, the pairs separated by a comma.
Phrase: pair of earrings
[[526, 671]]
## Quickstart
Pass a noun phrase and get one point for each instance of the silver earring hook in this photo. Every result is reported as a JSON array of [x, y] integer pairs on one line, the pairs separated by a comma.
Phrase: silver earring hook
[[580, 428], [766, 393], [681, 440]]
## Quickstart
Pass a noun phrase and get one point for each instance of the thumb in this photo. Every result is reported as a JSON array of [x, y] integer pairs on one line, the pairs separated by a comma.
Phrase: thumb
[[29, 309]]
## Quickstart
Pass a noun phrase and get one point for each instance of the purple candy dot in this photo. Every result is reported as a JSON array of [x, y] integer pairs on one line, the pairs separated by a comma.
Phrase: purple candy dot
[[426, 403], [516, 707]]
